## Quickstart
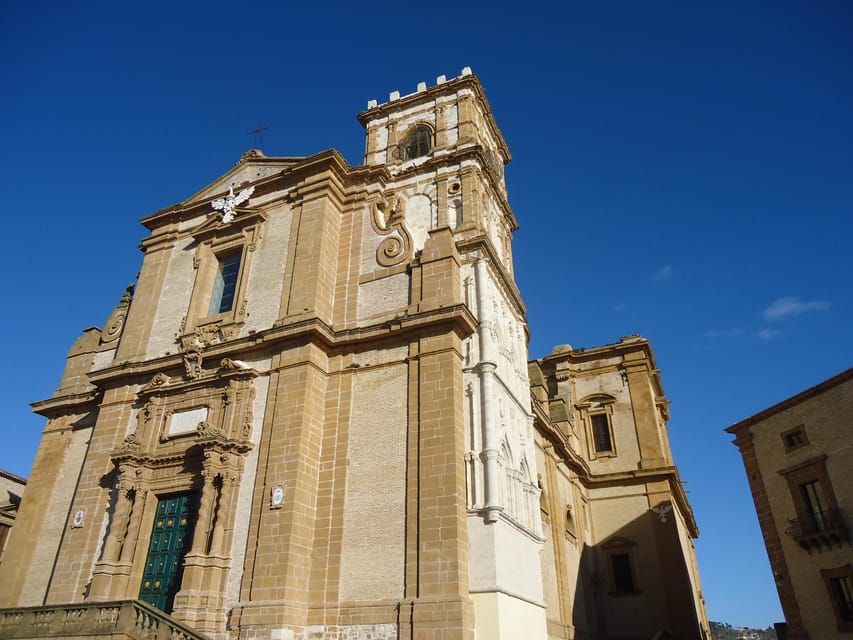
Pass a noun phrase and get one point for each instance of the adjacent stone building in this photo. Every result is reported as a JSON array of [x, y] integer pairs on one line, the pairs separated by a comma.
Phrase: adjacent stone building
[[798, 456], [311, 417], [11, 490]]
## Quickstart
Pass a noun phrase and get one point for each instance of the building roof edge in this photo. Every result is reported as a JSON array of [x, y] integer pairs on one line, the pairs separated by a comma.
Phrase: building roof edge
[[811, 392]]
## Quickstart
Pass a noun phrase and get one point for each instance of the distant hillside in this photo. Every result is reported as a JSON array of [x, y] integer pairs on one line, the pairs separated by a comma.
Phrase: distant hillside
[[725, 631]]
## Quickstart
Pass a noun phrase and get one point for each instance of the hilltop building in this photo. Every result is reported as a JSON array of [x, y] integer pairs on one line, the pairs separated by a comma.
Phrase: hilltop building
[[798, 456], [313, 417]]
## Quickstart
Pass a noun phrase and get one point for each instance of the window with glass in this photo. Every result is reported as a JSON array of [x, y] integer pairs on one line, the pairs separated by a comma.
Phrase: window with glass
[[417, 143], [225, 283], [839, 584], [811, 493]]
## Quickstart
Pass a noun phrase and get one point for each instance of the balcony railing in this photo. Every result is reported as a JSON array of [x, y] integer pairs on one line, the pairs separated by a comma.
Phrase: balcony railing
[[128, 619], [823, 529]]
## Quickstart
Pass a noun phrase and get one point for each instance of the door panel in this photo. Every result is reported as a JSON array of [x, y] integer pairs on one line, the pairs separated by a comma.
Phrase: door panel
[[171, 537]]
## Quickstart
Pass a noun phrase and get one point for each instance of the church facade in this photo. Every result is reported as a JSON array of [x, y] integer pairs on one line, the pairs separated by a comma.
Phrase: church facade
[[313, 417]]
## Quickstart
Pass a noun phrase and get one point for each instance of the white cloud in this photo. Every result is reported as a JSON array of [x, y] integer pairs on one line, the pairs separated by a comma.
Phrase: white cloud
[[769, 334], [664, 273], [790, 306], [734, 332], [620, 307]]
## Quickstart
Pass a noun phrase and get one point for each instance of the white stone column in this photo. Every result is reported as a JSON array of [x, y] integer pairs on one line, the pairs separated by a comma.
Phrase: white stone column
[[486, 368]]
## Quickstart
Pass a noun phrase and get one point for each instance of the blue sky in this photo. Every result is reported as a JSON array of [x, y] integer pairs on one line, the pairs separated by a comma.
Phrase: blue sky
[[681, 170]]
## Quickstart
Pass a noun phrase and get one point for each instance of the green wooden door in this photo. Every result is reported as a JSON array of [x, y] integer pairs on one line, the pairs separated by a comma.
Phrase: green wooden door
[[171, 538]]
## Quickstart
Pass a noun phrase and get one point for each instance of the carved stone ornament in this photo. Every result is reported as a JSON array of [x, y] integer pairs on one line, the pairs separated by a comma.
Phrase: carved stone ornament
[[387, 220], [206, 429], [205, 335], [158, 381], [233, 365], [115, 323], [230, 202], [277, 497], [131, 442], [248, 418], [662, 511], [192, 363]]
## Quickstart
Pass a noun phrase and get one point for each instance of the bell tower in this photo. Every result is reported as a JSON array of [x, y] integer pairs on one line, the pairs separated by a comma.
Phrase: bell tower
[[445, 157]]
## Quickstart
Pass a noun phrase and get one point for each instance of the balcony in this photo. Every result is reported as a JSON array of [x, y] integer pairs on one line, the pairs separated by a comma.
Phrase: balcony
[[820, 531], [126, 620]]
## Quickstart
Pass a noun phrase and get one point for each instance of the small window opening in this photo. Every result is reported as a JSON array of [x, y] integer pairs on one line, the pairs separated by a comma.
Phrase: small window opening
[[543, 498], [417, 143], [570, 521], [601, 433], [225, 283], [623, 579], [795, 438]]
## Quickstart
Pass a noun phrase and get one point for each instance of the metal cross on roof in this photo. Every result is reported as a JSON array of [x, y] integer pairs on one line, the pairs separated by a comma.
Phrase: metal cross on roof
[[257, 133]]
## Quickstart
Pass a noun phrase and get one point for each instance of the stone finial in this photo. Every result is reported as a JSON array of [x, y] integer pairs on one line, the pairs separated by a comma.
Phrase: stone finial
[[421, 86], [371, 104], [562, 348], [395, 95], [441, 79], [466, 71]]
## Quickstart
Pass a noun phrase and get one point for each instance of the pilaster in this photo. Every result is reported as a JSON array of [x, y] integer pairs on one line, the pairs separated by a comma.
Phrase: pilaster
[[638, 371], [276, 578]]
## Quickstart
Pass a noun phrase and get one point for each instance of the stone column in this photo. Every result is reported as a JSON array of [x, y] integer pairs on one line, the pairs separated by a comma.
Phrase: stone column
[[222, 512], [119, 525], [132, 532], [487, 369], [202, 528]]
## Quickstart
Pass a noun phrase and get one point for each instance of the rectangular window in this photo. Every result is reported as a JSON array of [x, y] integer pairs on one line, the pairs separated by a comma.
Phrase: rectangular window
[[842, 597], [601, 433], [623, 579], [225, 283], [813, 502], [795, 438], [839, 583]]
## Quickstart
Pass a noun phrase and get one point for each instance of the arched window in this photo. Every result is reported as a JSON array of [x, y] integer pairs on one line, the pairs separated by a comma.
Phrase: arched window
[[417, 143]]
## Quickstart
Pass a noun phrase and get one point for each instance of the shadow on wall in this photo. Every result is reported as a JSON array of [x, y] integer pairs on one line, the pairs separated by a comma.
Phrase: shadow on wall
[[636, 584]]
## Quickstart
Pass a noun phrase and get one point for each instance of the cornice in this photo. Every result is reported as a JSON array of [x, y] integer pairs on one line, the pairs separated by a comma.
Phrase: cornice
[[557, 439], [482, 243], [639, 347], [14, 477], [58, 405], [793, 401], [290, 176], [643, 476], [448, 88], [593, 480], [457, 157], [458, 317]]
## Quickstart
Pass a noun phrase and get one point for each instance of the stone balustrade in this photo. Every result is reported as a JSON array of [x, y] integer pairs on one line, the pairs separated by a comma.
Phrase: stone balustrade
[[129, 619]]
